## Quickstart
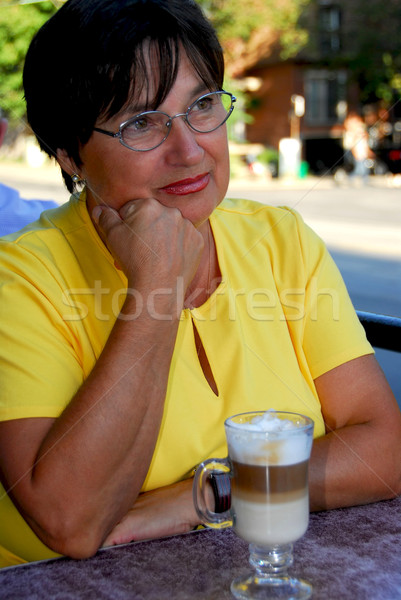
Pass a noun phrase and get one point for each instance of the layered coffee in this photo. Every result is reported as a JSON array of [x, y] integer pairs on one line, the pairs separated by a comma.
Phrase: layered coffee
[[270, 503], [269, 486]]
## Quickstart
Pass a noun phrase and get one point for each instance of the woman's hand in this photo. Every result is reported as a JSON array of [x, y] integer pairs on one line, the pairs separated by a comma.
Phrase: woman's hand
[[153, 244], [161, 512]]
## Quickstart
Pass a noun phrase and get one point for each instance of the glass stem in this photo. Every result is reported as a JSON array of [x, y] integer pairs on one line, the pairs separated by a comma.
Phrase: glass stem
[[270, 561]]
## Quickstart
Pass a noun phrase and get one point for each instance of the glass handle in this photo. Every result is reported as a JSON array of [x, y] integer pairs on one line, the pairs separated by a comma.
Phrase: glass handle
[[200, 489]]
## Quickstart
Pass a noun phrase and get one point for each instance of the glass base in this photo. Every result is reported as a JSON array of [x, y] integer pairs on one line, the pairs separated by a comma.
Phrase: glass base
[[270, 588]]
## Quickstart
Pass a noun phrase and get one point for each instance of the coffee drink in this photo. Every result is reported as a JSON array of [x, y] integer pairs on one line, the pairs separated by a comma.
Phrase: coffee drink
[[270, 503], [269, 480], [268, 455]]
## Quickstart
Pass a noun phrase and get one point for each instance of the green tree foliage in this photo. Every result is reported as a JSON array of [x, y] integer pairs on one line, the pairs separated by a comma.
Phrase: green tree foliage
[[18, 24], [246, 30], [370, 46], [371, 40], [238, 21], [375, 48], [235, 22]]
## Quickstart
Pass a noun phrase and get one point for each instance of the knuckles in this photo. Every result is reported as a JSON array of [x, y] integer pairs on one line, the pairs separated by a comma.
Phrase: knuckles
[[152, 216], [140, 208], [145, 232]]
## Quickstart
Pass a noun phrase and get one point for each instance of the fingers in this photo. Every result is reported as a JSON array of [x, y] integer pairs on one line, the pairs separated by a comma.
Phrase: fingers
[[129, 208], [104, 216], [150, 242]]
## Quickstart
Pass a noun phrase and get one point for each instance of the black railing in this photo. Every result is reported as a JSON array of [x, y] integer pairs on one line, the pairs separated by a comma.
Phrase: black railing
[[382, 331]]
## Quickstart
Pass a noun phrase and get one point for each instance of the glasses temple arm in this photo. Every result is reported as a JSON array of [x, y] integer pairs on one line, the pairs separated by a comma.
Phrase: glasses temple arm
[[109, 133]]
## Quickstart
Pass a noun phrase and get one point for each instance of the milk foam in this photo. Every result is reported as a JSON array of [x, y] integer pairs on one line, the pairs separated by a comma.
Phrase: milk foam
[[268, 440], [266, 422]]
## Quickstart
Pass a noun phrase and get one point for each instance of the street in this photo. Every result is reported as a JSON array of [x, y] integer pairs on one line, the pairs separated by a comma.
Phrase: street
[[362, 229], [360, 225]]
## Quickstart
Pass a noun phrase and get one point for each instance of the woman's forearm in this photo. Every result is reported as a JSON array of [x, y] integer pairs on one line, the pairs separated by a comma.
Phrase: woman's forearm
[[353, 465], [359, 459], [92, 462], [88, 468]]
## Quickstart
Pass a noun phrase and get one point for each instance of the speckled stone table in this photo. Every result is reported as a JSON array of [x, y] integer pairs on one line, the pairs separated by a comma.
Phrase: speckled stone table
[[347, 554]]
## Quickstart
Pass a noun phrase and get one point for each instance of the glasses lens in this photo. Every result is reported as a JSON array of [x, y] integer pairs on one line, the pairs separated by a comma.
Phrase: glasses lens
[[145, 131], [210, 111]]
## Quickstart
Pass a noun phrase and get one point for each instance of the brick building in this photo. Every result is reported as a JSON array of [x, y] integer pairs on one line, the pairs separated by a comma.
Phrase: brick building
[[329, 92]]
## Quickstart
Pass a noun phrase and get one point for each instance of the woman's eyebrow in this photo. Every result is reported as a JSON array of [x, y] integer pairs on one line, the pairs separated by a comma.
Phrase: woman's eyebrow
[[136, 109], [200, 89]]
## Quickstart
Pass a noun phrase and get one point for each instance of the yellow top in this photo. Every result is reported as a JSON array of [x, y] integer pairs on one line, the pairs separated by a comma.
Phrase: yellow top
[[280, 318]]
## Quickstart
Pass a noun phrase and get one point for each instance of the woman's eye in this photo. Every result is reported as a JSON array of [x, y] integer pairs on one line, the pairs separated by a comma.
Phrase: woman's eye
[[140, 124], [203, 104]]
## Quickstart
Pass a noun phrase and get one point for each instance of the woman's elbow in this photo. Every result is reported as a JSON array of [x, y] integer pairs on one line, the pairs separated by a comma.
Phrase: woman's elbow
[[75, 546], [394, 484], [389, 482], [69, 536]]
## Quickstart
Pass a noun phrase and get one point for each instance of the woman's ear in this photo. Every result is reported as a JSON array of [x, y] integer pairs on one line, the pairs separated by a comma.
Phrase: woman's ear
[[66, 162]]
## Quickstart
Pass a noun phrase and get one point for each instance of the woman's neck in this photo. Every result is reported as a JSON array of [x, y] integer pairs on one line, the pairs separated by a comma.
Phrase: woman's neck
[[207, 276]]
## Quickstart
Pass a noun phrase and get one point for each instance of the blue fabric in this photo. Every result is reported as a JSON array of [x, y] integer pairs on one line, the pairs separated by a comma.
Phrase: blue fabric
[[15, 212]]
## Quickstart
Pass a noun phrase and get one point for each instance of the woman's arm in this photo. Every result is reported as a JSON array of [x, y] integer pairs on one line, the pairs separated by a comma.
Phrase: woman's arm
[[359, 459], [75, 477], [161, 512]]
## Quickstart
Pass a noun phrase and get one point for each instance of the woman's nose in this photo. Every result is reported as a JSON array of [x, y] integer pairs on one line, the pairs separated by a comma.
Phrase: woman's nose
[[182, 143]]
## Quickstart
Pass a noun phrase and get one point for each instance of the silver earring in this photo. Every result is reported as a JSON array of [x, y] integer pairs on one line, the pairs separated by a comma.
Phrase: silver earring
[[76, 178]]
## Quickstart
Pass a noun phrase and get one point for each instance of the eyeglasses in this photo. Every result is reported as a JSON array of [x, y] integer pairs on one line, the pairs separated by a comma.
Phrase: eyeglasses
[[149, 129]]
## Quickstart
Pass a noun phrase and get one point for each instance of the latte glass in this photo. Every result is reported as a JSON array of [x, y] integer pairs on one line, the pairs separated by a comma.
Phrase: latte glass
[[268, 456]]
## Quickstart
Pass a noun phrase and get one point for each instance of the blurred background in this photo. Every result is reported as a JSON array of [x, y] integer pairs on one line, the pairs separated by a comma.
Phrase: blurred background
[[298, 67], [315, 80]]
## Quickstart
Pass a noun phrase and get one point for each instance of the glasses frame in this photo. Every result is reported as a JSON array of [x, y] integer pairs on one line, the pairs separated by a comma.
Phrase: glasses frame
[[118, 134]]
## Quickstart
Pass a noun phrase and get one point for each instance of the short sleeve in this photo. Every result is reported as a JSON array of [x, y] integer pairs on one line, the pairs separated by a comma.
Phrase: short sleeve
[[332, 332], [40, 369]]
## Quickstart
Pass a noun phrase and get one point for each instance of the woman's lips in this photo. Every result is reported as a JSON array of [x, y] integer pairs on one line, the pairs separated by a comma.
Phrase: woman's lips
[[187, 186]]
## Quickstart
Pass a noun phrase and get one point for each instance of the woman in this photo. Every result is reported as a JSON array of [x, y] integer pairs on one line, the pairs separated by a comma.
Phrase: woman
[[145, 311]]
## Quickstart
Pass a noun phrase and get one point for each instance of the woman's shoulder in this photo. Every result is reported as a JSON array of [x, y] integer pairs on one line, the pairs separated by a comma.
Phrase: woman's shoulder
[[257, 210], [248, 214], [247, 207], [279, 231], [54, 229], [55, 243], [49, 218]]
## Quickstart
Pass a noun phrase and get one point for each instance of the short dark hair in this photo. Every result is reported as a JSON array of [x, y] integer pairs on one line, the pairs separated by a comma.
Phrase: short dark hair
[[89, 60]]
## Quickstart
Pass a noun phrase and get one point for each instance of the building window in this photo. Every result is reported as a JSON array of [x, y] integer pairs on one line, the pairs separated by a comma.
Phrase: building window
[[325, 96], [329, 28]]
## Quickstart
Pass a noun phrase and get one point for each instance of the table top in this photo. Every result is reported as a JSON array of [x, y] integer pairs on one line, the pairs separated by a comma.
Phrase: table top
[[347, 554]]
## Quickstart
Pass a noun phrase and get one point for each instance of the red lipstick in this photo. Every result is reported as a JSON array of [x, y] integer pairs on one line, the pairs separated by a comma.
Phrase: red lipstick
[[187, 186]]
